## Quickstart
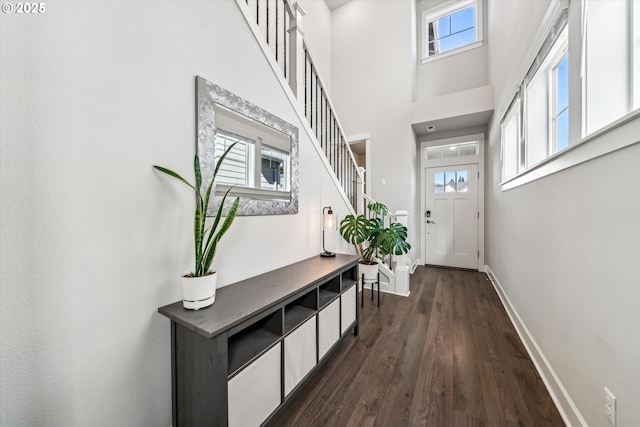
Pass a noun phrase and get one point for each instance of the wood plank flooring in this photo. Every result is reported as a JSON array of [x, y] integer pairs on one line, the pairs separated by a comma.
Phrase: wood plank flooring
[[446, 356]]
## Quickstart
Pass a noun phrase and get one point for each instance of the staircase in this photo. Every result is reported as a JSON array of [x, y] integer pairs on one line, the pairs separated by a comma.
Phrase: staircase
[[278, 28]]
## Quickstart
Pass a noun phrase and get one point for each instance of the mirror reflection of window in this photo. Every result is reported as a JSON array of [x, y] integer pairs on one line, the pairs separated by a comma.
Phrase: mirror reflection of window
[[236, 169], [224, 118], [275, 169], [259, 165]]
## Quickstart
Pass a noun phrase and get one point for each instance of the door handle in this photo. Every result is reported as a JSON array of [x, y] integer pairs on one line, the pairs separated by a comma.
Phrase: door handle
[[430, 222]]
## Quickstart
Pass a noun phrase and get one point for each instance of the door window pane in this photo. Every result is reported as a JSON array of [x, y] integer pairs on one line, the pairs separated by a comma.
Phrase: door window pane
[[462, 185], [438, 180], [450, 182]]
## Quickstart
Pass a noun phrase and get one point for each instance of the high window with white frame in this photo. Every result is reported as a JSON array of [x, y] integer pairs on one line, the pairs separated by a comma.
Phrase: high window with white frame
[[511, 141], [546, 94], [611, 66], [537, 126], [453, 27], [560, 104]]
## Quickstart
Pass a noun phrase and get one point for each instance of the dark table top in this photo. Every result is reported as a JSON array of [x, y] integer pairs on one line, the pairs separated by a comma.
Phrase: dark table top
[[242, 300]]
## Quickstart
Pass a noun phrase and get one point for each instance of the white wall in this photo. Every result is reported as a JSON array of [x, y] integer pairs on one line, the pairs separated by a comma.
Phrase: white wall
[[565, 247], [372, 71], [459, 72], [92, 239]]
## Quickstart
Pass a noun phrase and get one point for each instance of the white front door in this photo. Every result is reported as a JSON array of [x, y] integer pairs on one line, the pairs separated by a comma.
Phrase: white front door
[[451, 216]]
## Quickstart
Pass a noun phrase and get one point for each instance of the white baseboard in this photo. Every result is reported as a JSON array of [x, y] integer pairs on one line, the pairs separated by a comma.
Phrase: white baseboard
[[415, 265], [568, 410]]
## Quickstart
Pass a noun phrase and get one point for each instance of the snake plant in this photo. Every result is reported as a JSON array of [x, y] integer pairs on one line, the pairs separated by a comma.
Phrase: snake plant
[[205, 249]]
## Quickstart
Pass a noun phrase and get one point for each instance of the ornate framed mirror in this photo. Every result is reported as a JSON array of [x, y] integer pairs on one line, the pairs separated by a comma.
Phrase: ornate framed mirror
[[262, 168]]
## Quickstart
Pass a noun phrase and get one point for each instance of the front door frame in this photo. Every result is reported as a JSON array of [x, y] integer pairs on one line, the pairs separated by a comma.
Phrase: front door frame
[[424, 163]]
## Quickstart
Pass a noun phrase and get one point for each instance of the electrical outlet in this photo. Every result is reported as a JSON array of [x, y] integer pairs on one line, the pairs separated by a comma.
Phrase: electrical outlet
[[610, 406]]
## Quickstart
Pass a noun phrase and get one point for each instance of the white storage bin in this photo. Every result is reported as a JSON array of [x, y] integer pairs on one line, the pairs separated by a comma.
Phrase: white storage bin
[[328, 327], [255, 392], [299, 354]]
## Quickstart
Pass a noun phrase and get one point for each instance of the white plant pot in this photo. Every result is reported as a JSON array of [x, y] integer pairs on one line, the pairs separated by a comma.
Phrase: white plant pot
[[199, 292], [370, 272]]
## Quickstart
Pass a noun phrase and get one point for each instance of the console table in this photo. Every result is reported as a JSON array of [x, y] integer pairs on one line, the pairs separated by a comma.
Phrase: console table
[[239, 361]]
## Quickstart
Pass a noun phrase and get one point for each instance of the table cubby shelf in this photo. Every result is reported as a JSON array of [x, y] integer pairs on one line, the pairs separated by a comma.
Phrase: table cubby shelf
[[326, 296], [259, 341], [247, 344], [296, 315]]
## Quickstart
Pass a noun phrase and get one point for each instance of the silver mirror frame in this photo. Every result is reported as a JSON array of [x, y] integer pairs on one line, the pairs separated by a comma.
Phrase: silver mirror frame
[[209, 94]]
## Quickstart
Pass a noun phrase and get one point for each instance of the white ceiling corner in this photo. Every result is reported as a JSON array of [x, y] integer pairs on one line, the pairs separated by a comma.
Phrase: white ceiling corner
[[334, 4]]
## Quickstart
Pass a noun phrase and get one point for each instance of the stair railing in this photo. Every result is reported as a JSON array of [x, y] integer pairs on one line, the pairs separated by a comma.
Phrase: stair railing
[[281, 24]]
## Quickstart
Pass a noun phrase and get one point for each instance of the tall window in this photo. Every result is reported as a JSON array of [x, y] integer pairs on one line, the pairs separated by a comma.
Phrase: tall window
[[546, 87], [560, 111], [612, 62], [537, 123], [511, 152], [455, 26]]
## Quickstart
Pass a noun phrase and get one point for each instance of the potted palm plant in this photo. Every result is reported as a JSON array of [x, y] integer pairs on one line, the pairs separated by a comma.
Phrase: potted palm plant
[[372, 239], [199, 285]]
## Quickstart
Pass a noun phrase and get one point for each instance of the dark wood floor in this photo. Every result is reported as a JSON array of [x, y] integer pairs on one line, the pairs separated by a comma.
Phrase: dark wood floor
[[446, 356]]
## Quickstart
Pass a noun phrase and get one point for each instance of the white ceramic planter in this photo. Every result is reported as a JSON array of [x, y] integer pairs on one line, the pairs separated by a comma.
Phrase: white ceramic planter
[[370, 272], [199, 292]]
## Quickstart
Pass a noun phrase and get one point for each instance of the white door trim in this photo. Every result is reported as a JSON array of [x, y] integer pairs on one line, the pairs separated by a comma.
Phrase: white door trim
[[479, 159], [366, 137]]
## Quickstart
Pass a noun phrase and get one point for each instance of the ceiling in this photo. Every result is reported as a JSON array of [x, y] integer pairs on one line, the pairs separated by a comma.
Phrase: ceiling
[[453, 123], [334, 4]]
